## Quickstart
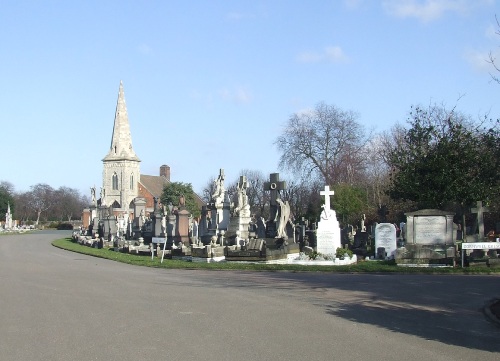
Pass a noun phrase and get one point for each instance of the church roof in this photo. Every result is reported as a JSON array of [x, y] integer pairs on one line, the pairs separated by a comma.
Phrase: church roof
[[121, 140], [154, 184]]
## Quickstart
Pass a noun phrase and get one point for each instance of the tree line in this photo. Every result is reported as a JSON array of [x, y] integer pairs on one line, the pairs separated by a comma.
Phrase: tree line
[[42, 203], [438, 158]]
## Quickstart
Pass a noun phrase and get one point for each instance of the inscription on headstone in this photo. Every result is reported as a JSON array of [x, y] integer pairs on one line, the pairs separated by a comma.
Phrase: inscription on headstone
[[430, 230], [385, 237]]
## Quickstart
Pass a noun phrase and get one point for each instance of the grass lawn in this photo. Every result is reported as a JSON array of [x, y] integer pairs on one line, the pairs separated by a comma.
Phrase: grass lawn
[[360, 267]]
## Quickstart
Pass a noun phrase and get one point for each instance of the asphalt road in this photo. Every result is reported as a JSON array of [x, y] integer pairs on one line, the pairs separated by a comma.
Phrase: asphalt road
[[58, 305]]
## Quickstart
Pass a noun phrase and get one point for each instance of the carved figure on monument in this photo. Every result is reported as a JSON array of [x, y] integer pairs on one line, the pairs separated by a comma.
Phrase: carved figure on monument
[[163, 224], [242, 196], [282, 217], [182, 201], [103, 196], [92, 195], [142, 216], [219, 187], [363, 227], [327, 213]]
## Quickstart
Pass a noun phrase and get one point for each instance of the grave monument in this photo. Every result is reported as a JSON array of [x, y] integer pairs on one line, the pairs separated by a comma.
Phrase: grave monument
[[328, 232], [429, 238]]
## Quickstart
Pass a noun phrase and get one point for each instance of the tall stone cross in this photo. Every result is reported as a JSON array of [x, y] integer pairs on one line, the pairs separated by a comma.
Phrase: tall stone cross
[[274, 185], [327, 193], [480, 210]]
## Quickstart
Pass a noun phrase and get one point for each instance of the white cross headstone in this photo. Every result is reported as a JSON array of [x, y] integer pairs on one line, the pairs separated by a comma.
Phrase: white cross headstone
[[327, 193], [328, 232]]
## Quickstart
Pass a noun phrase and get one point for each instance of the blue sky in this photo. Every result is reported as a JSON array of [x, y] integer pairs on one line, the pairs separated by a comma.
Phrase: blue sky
[[210, 84]]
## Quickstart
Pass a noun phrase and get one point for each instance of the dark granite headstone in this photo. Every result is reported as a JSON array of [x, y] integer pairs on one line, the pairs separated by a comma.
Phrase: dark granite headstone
[[381, 253]]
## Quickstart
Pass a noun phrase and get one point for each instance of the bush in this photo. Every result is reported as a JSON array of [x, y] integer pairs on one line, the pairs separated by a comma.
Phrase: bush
[[64, 226], [342, 253]]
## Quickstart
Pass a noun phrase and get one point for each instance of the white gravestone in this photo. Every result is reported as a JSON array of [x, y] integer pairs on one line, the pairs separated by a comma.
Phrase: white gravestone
[[385, 236], [328, 232]]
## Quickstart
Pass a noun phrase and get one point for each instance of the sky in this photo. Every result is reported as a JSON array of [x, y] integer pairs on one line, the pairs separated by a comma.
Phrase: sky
[[211, 84]]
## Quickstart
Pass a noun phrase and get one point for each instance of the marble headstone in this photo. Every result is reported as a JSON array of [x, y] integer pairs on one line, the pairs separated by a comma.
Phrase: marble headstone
[[385, 237], [328, 232]]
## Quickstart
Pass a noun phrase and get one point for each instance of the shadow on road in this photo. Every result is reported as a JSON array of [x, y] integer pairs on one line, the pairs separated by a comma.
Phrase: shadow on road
[[443, 308]]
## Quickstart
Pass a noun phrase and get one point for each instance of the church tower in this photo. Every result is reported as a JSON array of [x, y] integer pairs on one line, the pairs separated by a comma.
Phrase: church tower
[[121, 171]]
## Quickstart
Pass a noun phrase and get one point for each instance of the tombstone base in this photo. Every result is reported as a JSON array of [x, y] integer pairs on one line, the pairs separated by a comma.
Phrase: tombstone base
[[425, 255], [270, 251]]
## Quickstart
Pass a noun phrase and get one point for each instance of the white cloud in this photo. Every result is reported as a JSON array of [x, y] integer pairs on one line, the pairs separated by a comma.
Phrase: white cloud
[[305, 112], [480, 60], [493, 32], [429, 10], [333, 54], [238, 95]]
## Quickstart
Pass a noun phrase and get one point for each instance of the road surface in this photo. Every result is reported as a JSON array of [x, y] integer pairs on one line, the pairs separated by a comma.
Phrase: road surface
[[59, 305]]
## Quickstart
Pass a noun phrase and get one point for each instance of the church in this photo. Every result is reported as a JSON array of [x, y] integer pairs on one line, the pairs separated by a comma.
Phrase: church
[[122, 181]]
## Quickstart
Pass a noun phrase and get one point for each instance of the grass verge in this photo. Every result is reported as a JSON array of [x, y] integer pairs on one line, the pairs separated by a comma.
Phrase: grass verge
[[360, 267]]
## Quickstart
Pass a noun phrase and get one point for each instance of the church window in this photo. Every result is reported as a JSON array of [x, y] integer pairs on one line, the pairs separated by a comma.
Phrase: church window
[[115, 181], [131, 182]]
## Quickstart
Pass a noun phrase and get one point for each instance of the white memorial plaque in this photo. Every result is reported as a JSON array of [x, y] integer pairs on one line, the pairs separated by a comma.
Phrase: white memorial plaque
[[430, 230]]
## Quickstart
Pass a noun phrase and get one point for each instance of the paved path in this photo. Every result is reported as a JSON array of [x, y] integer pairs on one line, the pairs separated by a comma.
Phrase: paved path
[[58, 305]]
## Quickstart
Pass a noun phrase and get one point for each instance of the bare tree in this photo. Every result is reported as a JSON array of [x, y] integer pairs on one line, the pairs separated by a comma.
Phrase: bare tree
[[6, 198], [68, 203], [23, 211], [255, 191], [492, 57], [41, 199], [208, 190], [326, 141]]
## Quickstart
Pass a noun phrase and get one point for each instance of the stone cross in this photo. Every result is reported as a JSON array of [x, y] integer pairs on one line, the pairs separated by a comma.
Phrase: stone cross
[[327, 193], [480, 210], [274, 185]]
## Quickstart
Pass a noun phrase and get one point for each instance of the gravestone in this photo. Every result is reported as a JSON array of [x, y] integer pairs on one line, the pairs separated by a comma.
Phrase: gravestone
[[385, 237], [359, 246], [8, 218], [203, 229], [382, 212], [182, 226], [328, 232], [429, 227], [480, 210], [240, 221], [261, 227], [140, 216], [274, 186], [429, 238], [219, 206]]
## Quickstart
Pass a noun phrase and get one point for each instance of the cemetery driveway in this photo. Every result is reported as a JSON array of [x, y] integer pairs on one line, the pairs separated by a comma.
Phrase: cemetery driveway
[[59, 305]]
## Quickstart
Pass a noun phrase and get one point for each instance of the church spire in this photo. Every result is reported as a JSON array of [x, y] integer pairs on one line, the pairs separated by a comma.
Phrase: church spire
[[121, 140]]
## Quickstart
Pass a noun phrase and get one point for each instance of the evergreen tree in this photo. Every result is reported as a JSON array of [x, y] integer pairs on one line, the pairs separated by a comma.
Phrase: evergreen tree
[[173, 192]]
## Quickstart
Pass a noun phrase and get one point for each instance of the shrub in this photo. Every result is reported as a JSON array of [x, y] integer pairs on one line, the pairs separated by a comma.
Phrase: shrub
[[341, 253], [64, 226]]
